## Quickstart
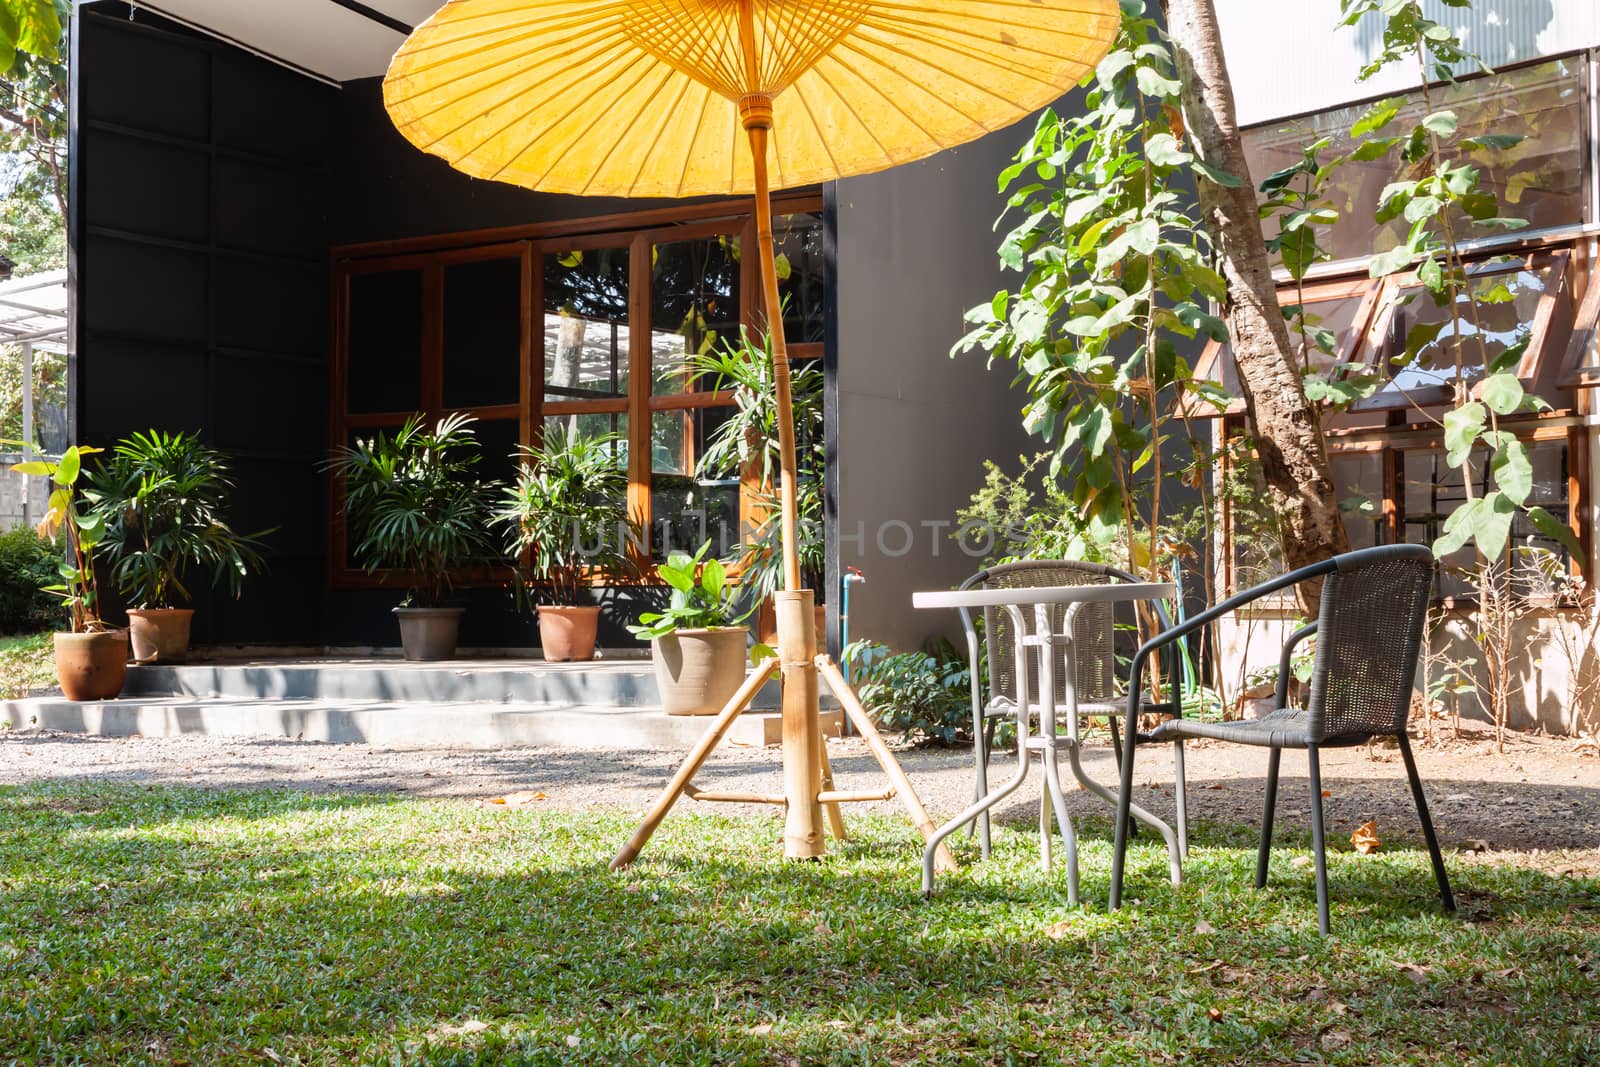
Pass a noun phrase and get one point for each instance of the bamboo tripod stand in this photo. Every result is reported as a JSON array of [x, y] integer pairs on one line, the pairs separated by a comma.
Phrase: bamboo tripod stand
[[807, 779]]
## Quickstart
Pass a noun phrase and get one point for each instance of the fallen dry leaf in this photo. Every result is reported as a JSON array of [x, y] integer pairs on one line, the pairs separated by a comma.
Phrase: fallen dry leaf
[[760, 1028], [1335, 1039], [1300, 861], [1214, 1014], [520, 799], [1365, 838], [1058, 930], [1204, 928]]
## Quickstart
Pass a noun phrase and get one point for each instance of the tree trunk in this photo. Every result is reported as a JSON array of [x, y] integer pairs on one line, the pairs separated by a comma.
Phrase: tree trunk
[[1288, 433]]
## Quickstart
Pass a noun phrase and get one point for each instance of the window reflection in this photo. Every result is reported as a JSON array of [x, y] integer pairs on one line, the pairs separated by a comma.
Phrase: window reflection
[[586, 323], [694, 304], [1540, 179]]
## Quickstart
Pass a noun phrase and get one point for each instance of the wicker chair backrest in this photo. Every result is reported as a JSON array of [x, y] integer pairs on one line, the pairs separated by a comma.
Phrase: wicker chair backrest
[[1369, 635], [1093, 629]]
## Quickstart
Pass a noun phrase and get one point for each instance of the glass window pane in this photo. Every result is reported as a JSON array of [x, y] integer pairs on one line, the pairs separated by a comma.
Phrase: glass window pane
[[1540, 179], [694, 304], [594, 424], [1335, 314], [798, 241], [586, 323], [686, 509], [384, 344], [483, 333], [1358, 483], [497, 444], [1507, 302]]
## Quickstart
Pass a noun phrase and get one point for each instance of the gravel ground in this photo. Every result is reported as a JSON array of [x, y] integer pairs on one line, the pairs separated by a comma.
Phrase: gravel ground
[[1537, 804]]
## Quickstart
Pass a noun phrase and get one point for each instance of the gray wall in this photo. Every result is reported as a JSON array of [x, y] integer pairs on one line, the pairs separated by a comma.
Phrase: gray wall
[[916, 249]]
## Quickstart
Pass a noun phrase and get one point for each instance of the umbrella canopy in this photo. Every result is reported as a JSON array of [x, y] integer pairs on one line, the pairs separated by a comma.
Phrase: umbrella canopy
[[631, 97]]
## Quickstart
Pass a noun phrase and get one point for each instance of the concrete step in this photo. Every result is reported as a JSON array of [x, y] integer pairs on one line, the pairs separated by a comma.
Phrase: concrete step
[[615, 684], [390, 724]]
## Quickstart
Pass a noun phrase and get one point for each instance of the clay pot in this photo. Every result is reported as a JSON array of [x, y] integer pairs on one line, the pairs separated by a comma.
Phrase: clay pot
[[159, 635], [91, 666], [429, 633], [567, 633], [698, 671]]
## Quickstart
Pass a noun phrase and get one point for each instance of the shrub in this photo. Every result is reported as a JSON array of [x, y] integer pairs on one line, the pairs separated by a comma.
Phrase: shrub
[[28, 563], [928, 697]]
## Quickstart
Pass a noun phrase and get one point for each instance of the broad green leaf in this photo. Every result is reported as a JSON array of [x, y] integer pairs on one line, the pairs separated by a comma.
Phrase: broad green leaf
[[34, 467], [1503, 393], [1215, 175], [1556, 530], [1458, 529], [713, 577], [67, 469], [1376, 148], [1492, 524], [1513, 470], [1497, 141], [1394, 260], [1462, 428], [1153, 83], [1443, 123], [1377, 116], [1163, 150]]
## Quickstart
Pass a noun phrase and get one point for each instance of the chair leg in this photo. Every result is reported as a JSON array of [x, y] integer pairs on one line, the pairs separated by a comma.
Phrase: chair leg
[[1318, 845], [1116, 740], [1119, 848], [1264, 856], [983, 743], [1181, 784], [1445, 896]]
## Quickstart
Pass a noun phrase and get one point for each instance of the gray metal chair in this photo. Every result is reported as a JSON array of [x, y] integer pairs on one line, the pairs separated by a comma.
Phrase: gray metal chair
[[1094, 654], [1369, 632]]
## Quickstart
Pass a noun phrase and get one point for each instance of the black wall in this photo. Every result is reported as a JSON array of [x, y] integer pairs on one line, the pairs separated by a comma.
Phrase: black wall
[[199, 246]]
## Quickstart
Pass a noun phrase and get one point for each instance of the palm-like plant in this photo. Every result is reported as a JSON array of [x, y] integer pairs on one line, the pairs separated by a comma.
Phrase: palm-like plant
[[412, 504], [569, 511], [163, 498], [748, 441]]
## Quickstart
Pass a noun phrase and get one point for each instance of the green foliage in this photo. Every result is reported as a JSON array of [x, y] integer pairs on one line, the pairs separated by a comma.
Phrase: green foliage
[[31, 26], [49, 389], [747, 441], [82, 529], [927, 696], [702, 598], [26, 664], [1026, 517], [568, 510], [28, 563], [1116, 275], [412, 503], [1440, 194], [164, 500]]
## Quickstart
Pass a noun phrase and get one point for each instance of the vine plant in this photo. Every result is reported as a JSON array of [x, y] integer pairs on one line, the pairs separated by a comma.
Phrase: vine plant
[[1442, 200]]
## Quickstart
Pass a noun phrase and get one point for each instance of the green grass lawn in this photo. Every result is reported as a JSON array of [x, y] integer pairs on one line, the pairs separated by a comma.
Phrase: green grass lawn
[[167, 925], [26, 663]]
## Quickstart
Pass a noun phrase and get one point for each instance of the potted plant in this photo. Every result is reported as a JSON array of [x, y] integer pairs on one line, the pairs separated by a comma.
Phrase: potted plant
[[163, 498], [91, 658], [413, 507], [748, 441], [697, 645], [568, 513]]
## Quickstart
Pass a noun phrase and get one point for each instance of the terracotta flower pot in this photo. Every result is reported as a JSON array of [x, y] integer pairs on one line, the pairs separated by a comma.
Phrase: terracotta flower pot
[[91, 666], [159, 635], [429, 633], [566, 632], [698, 671]]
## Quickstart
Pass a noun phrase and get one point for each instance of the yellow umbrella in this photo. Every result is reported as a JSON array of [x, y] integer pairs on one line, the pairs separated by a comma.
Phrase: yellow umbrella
[[651, 97]]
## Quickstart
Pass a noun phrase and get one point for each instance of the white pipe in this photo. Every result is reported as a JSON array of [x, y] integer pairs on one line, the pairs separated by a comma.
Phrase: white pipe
[[27, 428]]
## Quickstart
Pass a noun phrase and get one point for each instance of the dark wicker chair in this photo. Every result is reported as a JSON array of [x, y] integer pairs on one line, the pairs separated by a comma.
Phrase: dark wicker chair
[[1369, 631], [1094, 649]]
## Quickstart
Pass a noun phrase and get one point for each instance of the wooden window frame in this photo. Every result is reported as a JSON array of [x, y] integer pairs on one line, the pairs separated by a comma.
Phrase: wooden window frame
[[431, 255]]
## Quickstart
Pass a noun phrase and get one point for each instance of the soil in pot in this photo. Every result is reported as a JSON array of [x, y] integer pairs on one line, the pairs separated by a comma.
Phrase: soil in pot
[[429, 633], [91, 666], [159, 635], [566, 632], [698, 671]]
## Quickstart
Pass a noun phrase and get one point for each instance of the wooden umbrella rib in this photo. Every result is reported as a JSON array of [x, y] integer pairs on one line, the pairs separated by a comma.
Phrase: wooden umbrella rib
[[811, 117], [661, 128], [889, 101], [694, 139], [412, 72], [617, 142], [531, 29], [518, 76], [462, 152], [851, 109], [921, 60]]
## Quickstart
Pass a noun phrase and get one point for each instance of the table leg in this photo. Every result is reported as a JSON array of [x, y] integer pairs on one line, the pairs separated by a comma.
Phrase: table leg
[[1048, 641]]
